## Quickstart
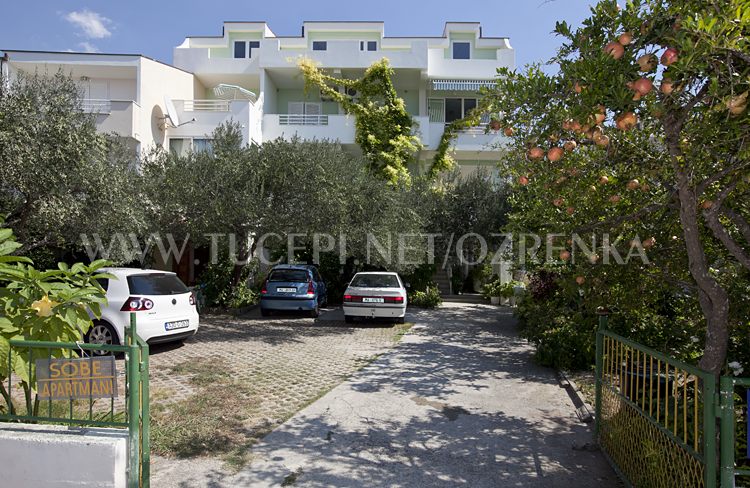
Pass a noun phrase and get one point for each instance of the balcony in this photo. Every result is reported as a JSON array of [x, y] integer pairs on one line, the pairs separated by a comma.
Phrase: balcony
[[119, 116], [198, 60], [332, 127], [199, 118], [440, 67], [279, 53]]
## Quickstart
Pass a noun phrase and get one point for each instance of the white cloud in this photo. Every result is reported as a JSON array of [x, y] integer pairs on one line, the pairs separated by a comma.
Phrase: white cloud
[[93, 25], [87, 47]]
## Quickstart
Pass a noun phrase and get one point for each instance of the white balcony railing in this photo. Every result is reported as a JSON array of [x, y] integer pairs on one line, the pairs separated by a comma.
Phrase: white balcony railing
[[95, 106], [298, 119], [205, 105]]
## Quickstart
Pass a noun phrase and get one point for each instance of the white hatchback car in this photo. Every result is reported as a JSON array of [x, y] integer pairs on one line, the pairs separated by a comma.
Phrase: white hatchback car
[[373, 295], [165, 308]]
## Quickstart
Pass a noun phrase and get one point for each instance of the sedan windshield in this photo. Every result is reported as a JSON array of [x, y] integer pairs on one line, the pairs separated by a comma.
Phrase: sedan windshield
[[375, 281], [288, 275]]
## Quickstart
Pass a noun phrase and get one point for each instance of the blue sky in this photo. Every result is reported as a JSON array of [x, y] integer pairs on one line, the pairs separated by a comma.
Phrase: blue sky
[[153, 28]]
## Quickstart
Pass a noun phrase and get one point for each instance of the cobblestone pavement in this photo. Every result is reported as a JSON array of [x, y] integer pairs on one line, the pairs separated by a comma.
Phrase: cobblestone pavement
[[459, 402], [287, 361]]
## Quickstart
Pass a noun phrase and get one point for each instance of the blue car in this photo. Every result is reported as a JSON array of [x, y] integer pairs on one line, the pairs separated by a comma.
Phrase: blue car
[[293, 287]]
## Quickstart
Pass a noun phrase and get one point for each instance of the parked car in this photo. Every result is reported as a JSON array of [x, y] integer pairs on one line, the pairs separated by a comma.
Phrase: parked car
[[375, 294], [164, 307], [291, 287]]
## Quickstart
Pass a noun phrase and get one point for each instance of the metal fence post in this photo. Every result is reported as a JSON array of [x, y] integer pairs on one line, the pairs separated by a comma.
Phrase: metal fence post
[[133, 407], [726, 431], [146, 419], [603, 313]]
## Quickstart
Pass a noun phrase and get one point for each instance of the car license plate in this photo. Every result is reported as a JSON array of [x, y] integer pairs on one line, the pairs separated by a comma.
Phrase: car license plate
[[180, 324], [372, 300], [286, 290]]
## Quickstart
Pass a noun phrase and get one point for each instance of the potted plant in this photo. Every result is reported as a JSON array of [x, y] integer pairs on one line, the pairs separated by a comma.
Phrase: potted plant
[[492, 290]]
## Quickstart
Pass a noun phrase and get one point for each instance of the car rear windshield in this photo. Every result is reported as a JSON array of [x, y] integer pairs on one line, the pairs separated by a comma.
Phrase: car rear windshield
[[375, 281], [290, 275], [156, 284]]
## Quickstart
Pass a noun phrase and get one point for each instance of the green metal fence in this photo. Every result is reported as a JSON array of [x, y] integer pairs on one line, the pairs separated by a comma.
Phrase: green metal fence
[[132, 414], [664, 423]]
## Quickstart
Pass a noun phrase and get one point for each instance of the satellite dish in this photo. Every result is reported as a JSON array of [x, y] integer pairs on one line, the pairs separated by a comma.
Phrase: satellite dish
[[171, 112]]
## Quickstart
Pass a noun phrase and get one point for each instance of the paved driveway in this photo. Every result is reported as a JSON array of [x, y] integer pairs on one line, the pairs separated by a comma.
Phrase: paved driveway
[[458, 403]]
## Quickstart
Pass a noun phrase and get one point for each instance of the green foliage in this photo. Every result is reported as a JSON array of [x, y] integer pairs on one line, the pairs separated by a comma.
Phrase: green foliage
[[59, 178], [430, 298], [680, 176], [38, 305], [497, 288], [218, 287], [420, 279], [383, 126]]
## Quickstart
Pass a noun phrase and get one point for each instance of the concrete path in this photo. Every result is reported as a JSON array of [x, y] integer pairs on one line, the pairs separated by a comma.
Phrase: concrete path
[[458, 403]]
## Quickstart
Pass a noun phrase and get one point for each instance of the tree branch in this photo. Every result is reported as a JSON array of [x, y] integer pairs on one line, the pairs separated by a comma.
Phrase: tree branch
[[739, 221], [625, 218], [712, 221]]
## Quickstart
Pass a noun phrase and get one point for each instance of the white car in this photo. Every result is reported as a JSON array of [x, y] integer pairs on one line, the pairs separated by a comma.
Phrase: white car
[[375, 295], [165, 308]]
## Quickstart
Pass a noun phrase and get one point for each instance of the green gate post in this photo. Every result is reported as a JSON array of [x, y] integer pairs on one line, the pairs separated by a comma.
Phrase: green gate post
[[133, 404], [146, 420], [727, 425], [603, 313]]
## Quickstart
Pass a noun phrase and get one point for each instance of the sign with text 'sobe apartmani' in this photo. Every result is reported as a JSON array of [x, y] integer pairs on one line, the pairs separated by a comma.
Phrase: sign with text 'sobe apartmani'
[[62, 379]]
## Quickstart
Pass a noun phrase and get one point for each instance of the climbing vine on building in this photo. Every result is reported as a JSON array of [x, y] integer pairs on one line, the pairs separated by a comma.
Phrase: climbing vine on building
[[383, 126]]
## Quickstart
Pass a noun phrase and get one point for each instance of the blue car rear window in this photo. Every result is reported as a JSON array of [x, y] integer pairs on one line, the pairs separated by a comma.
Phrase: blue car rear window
[[291, 275]]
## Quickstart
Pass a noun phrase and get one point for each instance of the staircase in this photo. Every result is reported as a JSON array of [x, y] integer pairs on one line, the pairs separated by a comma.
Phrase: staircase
[[443, 281]]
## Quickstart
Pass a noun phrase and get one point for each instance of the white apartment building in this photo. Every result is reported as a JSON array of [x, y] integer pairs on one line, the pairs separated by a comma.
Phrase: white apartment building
[[249, 75]]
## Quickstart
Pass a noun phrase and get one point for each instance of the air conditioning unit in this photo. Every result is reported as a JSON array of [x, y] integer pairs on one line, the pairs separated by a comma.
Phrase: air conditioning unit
[[351, 92]]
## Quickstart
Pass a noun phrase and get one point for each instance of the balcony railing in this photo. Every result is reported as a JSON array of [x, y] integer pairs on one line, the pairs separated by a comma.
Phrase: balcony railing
[[95, 106], [297, 119], [205, 105]]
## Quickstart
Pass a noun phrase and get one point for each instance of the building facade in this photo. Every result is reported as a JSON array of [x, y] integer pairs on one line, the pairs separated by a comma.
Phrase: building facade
[[249, 75]]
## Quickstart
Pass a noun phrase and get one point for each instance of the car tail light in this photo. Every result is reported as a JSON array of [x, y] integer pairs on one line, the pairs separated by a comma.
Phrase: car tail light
[[310, 288], [137, 304], [352, 298], [264, 290], [192, 298], [393, 299]]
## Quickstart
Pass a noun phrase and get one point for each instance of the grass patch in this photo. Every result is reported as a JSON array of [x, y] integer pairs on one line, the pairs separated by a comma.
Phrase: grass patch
[[211, 421], [401, 330]]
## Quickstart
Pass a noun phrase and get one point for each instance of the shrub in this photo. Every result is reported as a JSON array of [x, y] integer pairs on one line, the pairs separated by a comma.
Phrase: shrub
[[429, 298], [218, 290]]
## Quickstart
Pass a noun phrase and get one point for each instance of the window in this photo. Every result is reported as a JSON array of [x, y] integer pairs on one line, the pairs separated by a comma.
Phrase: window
[[156, 284], [243, 49], [304, 108], [183, 145], [252, 45], [203, 145], [239, 49], [458, 108], [368, 45], [453, 109], [289, 275], [179, 146], [461, 50], [367, 280], [320, 45]]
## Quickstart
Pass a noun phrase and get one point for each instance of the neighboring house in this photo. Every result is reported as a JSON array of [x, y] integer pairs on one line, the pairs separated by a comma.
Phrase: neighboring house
[[249, 75], [126, 92]]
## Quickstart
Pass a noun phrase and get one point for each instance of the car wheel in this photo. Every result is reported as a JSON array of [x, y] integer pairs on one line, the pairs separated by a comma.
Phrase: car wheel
[[400, 320], [264, 312], [348, 319], [101, 333]]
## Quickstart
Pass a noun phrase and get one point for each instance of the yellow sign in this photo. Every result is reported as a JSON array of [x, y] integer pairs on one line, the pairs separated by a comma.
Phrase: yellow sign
[[62, 379]]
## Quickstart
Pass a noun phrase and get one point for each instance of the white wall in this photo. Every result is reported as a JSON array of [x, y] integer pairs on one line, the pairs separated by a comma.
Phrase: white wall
[[156, 81], [55, 456]]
